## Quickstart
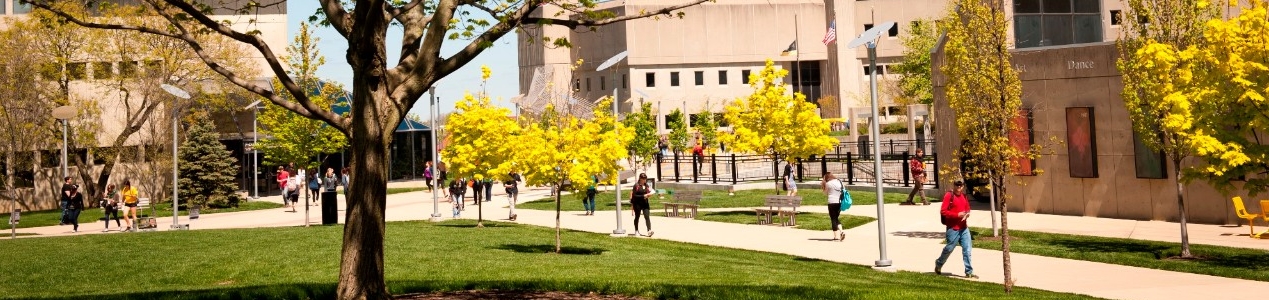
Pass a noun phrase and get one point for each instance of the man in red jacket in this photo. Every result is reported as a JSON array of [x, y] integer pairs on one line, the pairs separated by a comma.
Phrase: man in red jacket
[[954, 212]]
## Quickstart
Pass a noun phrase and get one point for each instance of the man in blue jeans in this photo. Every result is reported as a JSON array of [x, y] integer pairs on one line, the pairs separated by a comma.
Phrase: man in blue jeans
[[954, 212]]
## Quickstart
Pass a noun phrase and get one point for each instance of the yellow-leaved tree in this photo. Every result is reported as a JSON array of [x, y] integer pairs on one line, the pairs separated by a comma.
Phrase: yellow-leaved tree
[[985, 95], [773, 123], [1155, 77], [562, 147], [481, 140]]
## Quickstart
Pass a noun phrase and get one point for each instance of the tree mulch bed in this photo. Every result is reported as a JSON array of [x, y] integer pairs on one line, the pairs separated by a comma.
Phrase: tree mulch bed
[[500, 294]]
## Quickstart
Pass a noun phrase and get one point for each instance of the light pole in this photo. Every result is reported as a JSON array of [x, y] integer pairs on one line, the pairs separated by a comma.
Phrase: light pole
[[617, 179], [431, 111], [868, 39], [64, 113], [182, 94], [255, 163]]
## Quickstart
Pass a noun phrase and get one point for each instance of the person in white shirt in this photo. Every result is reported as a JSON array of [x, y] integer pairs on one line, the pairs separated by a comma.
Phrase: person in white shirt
[[833, 189]]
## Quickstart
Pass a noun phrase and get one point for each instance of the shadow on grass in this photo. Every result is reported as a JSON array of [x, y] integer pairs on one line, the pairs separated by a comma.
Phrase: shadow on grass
[[1214, 258], [276, 291], [1112, 246], [921, 234], [542, 248], [487, 224]]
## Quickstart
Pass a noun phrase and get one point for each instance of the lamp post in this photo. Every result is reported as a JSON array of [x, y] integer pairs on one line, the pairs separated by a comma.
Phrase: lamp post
[[182, 94], [868, 39], [64, 113], [617, 179], [255, 137], [431, 111]]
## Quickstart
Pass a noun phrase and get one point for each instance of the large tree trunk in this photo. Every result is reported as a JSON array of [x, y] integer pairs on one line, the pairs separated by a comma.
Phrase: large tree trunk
[[375, 115], [1180, 202]]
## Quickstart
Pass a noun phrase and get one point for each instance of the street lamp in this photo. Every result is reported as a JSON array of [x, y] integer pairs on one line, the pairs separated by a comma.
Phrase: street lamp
[[182, 94], [255, 163], [431, 111], [868, 39], [617, 182], [64, 113]]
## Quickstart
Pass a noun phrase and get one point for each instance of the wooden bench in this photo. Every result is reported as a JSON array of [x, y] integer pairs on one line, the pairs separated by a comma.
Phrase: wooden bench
[[776, 206], [683, 200]]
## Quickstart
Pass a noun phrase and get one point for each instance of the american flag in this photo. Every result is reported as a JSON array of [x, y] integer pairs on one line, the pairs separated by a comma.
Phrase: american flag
[[831, 35]]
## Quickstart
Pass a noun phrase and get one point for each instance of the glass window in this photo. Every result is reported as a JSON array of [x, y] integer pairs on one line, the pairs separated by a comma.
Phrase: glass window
[[744, 76], [625, 83], [128, 69], [1086, 6], [103, 70], [577, 84], [1088, 28], [1027, 30], [1, 8], [20, 8], [894, 30], [1026, 6], [700, 77], [1057, 30], [1116, 17], [76, 71], [722, 77], [603, 84], [650, 79], [1057, 6], [587, 84], [674, 78]]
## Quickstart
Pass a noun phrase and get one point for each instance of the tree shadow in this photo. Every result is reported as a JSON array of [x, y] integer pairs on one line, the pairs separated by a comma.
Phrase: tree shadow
[[921, 234], [543, 248], [1257, 262]]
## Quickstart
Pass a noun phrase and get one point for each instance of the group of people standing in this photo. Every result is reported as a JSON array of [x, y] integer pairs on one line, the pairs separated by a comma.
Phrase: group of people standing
[[292, 181], [110, 201], [482, 190]]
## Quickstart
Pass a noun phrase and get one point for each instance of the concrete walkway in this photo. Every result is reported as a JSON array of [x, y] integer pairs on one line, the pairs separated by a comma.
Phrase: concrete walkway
[[913, 237]]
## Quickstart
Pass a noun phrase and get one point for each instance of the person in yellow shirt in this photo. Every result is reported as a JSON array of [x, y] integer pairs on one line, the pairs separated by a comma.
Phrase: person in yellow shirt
[[129, 194]]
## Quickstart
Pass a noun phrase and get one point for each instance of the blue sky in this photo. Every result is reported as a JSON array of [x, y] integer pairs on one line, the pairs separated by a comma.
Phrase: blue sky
[[501, 58]]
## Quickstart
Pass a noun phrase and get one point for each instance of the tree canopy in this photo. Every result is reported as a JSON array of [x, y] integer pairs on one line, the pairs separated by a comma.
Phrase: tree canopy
[[774, 123]]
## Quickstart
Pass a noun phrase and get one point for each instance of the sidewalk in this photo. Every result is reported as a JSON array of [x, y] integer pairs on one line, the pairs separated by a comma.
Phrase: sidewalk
[[914, 239]]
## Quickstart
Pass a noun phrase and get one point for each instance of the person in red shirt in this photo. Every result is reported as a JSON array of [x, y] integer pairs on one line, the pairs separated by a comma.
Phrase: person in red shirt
[[917, 166], [954, 212], [283, 176]]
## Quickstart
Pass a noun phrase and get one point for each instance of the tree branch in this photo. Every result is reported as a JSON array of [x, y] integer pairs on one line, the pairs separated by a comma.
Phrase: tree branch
[[573, 24], [337, 16]]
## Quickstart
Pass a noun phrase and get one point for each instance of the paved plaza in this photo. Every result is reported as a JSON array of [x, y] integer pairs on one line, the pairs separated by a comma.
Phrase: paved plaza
[[914, 238]]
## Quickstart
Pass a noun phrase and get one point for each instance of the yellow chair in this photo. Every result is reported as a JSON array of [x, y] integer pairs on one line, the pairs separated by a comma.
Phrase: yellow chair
[[1241, 211], [1264, 214]]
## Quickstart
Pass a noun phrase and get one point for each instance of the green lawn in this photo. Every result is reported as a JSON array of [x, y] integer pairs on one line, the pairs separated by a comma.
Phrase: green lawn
[[299, 263], [1220, 261], [51, 217], [806, 220], [711, 199]]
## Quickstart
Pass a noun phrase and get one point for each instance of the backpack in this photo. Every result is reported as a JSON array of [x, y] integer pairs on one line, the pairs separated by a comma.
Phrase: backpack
[[846, 199]]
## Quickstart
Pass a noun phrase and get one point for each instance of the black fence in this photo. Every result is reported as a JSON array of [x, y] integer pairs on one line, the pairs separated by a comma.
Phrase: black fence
[[851, 167]]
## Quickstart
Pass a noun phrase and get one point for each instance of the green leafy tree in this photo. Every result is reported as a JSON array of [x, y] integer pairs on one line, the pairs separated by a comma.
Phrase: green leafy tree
[[382, 90], [207, 171], [984, 94], [707, 128], [292, 137], [775, 124], [1155, 28], [643, 148], [914, 86], [676, 122]]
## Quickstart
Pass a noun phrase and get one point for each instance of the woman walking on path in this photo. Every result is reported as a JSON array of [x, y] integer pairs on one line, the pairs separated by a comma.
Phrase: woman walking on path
[[789, 184], [917, 167], [456, 193], [314, 184], [833, 189], [73, 207], [513, 193], [129, 194], [110, 205], [427, 174], [639, 202]]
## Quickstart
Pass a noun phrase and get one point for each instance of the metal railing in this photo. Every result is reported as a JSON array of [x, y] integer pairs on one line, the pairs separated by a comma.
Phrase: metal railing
[[851, 167]]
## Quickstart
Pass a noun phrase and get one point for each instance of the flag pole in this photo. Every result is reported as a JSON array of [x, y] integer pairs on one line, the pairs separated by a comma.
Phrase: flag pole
[[797, 58]]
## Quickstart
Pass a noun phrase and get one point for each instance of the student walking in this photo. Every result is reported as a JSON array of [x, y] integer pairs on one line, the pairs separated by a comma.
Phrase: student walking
[[427, 175], [74, 205], [314, 184], [488, 184], [110, 206], [917, 167], [588, 203], [129, 194], [954, 212], [293, 185], [456, 194], [789, 185], [833, 190], [283, 177], [639, 203], [512, 184], [476, 189], [68, 185]]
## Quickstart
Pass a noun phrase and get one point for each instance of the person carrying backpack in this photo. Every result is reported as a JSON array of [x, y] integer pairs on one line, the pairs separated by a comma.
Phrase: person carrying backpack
[[833, 189], [954, 212]]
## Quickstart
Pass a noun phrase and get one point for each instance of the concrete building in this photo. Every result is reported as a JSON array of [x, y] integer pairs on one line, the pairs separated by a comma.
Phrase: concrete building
[[86, 76]]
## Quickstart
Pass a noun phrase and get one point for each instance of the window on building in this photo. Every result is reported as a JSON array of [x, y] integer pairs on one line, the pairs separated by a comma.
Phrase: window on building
[[894, 30], [625, 83], [76, 71], [577, 84], [603, 84], [867, 27], [127, 69], [744, 76], [1116, 17], [153, 68], [2, 8], [587, 84], [103, 70], [674, 78], [650, 79], [700, 77], [867, 70], [722, 77], [20, 8], [1039, 23]]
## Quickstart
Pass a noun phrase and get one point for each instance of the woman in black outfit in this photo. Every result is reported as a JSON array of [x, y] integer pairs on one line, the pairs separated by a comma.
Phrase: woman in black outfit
[[639, 202]]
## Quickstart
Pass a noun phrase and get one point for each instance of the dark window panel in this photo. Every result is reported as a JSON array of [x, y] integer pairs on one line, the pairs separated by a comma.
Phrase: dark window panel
[[744, 76], [1057, 30], [1087, 6], [1088, 28], [674, 78], [1026, 6], [1057, 6], [650, 79], [700, 77], [722, 77]]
